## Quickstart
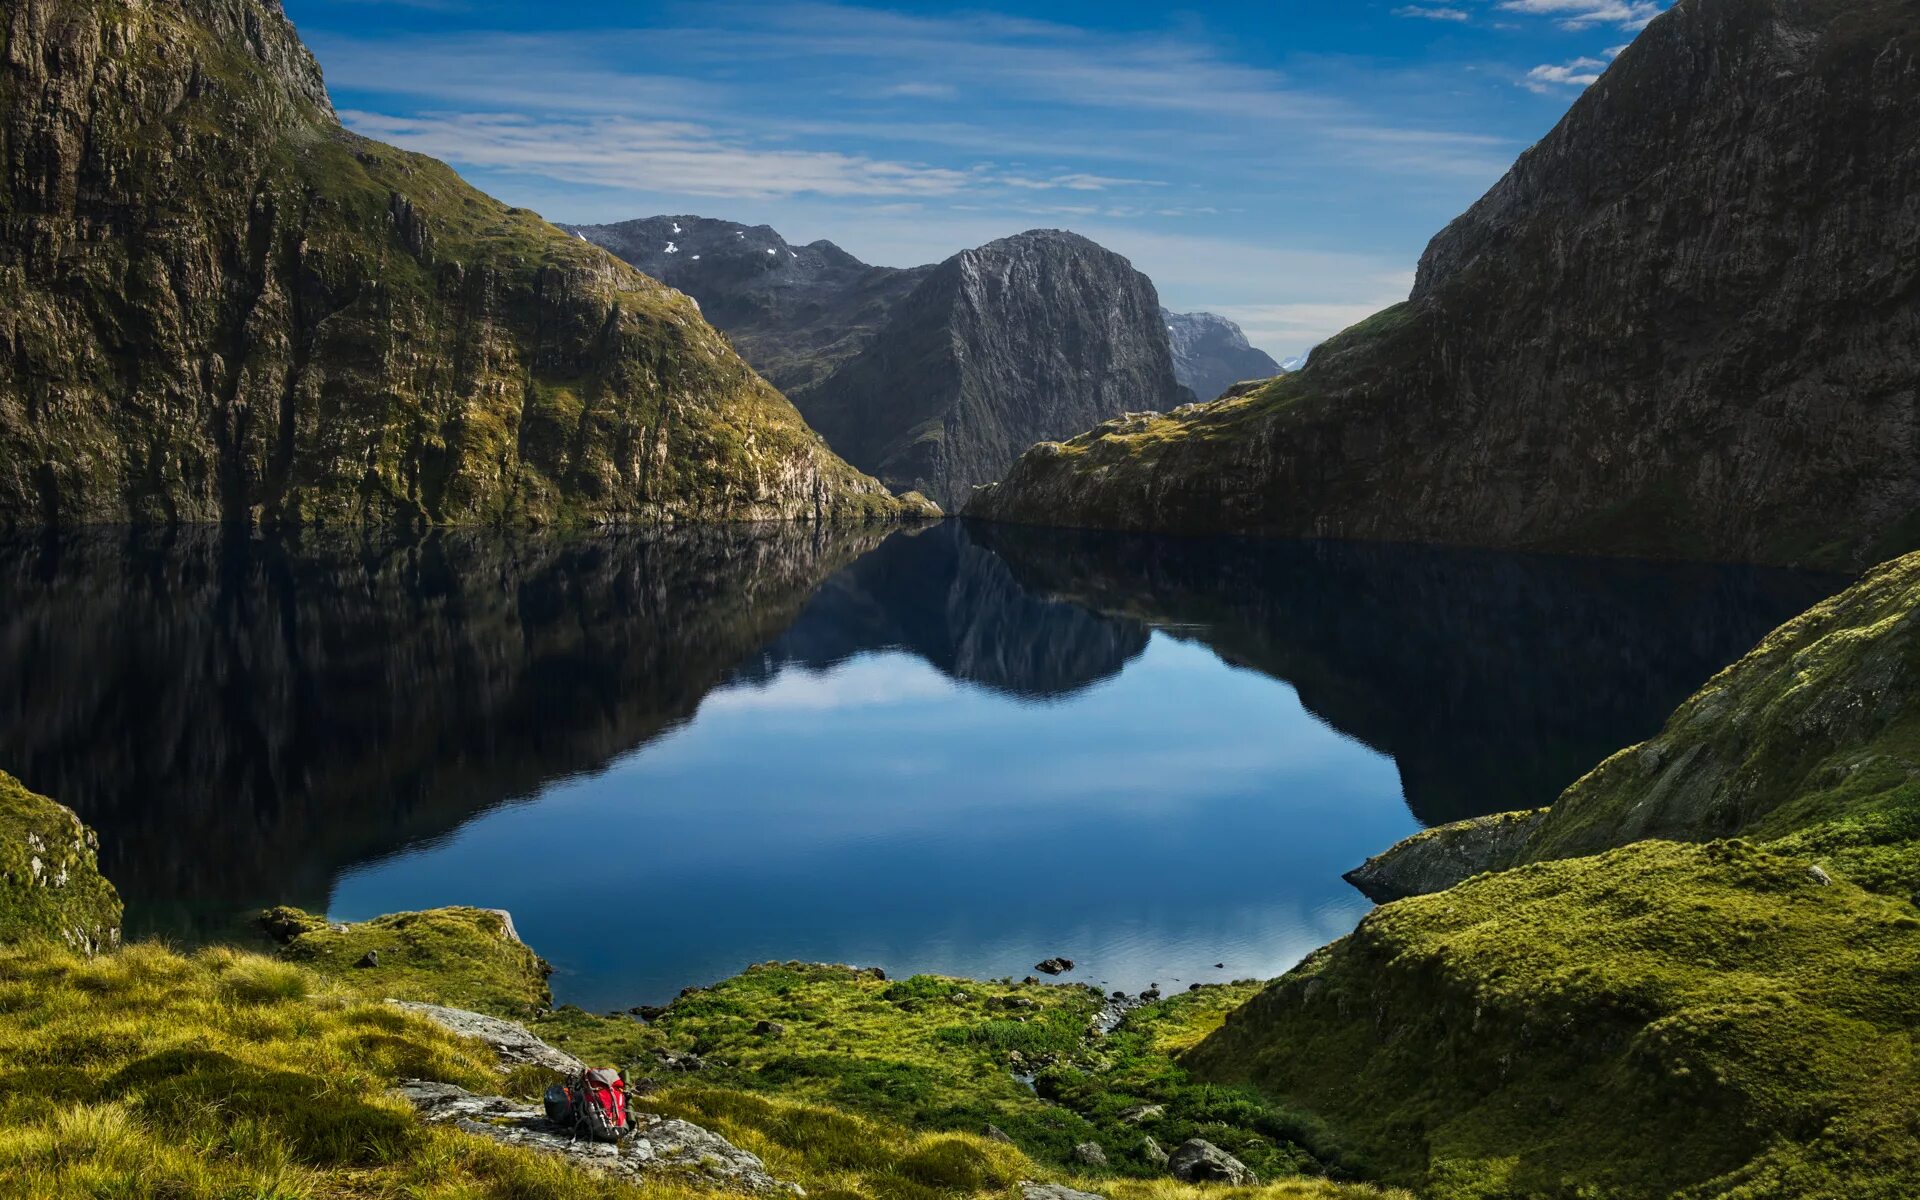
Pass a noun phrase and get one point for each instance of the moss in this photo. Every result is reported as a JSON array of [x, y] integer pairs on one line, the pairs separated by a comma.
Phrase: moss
[[464, 957], [50, 882]]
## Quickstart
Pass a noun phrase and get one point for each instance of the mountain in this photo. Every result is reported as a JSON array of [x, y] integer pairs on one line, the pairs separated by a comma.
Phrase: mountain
[[795, 312], [935, 378], [1211, 354], [1682, 325], [218, 304]]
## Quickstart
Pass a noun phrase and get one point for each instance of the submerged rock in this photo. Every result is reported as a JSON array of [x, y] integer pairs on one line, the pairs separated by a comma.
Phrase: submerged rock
[[1439, 858], [1054, 966], [660, 1147]]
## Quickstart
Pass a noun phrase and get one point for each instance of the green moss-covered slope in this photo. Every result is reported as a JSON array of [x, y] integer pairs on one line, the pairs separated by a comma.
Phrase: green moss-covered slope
[[50, 882], [1639, 1009], [1662, 1019], [1715, 365], [219, 304], [463, 957]]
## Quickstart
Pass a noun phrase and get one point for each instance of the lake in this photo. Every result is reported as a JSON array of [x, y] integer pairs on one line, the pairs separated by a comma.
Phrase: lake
[[954, 748]]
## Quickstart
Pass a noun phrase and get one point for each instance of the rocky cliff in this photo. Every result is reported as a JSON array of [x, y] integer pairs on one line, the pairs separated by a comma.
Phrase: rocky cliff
[[1682, 325], [935, 378], [217, 304], [1211, 354]]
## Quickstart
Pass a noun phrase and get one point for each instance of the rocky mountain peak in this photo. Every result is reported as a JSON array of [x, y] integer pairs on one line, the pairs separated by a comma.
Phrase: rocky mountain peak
[[1211, 353]]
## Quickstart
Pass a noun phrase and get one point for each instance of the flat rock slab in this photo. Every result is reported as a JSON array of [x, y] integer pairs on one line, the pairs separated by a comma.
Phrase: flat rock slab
[[660, 1146], [514, 1043], [1030, 1190]]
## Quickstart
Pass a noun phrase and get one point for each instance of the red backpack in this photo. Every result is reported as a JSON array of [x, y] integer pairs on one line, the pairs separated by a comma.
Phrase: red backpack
[[593, 1104]]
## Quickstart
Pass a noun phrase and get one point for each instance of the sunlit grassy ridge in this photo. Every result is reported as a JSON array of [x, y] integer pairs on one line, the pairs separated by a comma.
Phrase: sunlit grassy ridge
[[1734, 1017]]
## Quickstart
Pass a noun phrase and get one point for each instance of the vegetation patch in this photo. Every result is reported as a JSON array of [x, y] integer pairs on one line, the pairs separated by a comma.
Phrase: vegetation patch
[[50, 881], [462, 957]]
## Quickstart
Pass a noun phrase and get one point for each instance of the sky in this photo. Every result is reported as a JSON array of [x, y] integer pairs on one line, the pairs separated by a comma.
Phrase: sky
[[1282, 163]]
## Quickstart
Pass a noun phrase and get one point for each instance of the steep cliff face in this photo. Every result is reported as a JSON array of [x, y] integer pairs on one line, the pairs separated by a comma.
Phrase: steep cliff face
[[1022, 339], [217, 304], [933, 378], [1684, 324], [797, 313], [1211, 354]]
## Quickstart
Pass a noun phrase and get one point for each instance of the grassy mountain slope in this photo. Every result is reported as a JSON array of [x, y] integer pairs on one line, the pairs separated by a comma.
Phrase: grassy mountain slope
[[1728, 1018], [219, 304]]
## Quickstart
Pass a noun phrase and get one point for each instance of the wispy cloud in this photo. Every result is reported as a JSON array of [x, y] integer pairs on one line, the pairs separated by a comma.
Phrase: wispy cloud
[[1576, 74], [1583, 14], [622, 152], [1433, 14]]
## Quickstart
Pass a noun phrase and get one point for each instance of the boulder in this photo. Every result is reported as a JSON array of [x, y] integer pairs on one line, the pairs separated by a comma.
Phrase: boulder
[[996, 1134], [660, 1148], [1140, 1114], [513, 1043], [1151, 1151], [1054, 966], [1090, 1154], [1200, 1161]]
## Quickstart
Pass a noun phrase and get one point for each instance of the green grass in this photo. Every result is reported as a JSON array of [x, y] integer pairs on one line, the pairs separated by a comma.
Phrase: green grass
[[460, 957]]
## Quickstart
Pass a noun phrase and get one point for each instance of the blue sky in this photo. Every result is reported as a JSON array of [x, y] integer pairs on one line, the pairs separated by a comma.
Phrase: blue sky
[[1283, 163]]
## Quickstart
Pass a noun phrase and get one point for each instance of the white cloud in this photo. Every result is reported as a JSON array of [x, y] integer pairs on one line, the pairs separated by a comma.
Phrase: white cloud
[[659, 156], [1433, 14], [1582, 14], [1576, 74]]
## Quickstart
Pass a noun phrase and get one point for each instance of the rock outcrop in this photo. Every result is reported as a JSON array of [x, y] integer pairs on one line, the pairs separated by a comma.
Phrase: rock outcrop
[[934, 378], [661, 1148], [219, 305], [50, 881], [1439, 858], [1211, 354], [1683, 325], [512, 1043]]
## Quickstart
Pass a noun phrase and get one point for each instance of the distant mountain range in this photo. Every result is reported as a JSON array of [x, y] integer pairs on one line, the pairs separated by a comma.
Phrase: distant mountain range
[[1211, 354], [936, 378]]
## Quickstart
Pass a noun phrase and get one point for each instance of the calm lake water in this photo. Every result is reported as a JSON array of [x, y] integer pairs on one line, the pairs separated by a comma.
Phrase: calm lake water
[[957, 749]]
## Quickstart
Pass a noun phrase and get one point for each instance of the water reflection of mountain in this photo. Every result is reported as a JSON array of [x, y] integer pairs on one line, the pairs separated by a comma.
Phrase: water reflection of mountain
[[245, 719], [1493, 680], [936, 594], [242, 720]]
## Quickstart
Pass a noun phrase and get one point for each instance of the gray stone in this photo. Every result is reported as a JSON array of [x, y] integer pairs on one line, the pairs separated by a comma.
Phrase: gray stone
[[1200, 1161], [1820, 876], [1030, 1190], [1151, 1151], [370, 959], [513, 1043], [659, 1148], [1446, 855], [1090, 1153], [1139, 1114], [997, 1134]]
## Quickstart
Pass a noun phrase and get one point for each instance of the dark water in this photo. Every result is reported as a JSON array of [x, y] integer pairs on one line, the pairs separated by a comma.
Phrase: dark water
[[957, 749]]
